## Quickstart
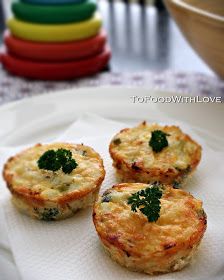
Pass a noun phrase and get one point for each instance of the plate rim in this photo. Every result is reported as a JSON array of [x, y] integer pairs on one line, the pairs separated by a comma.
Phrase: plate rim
[[88, 91], [50, 94]]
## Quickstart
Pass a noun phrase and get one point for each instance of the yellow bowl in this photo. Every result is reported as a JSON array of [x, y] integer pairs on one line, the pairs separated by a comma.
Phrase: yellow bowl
[[202, 23], [55, 32]]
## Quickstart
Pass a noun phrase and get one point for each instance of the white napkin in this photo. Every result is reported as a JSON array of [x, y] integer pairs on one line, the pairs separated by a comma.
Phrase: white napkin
[[70, 249]]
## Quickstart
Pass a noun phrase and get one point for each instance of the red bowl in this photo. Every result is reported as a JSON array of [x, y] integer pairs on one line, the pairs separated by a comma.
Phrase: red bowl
[[56, 71], [56, 52]]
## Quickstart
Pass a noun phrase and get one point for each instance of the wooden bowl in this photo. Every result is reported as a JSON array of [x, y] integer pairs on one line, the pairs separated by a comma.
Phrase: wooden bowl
[[202, 23]]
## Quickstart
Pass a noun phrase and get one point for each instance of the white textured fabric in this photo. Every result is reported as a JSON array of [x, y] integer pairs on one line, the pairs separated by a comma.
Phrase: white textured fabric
[[70, 249], [193, 83]]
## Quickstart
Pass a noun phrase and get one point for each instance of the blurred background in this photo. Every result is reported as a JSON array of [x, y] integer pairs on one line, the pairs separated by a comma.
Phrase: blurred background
[[142, 37]]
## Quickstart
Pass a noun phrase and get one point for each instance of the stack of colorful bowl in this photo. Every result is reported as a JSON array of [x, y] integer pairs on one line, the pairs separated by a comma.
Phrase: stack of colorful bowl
[[55, 40]]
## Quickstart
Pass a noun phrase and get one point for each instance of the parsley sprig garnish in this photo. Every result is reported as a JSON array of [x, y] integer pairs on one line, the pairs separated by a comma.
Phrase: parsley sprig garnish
[[158, 140], [148, 202], [54, 160]]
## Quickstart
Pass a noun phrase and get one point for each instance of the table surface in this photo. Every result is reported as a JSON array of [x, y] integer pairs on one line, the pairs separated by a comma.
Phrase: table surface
[[144, 39], [148, 51]]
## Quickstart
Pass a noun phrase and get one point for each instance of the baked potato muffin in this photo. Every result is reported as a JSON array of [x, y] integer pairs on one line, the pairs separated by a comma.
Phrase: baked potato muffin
[[164, 241], [53, 181], [151, 152]]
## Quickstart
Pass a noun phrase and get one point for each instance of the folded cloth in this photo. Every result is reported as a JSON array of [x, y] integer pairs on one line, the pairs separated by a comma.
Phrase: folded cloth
[[70, 249]]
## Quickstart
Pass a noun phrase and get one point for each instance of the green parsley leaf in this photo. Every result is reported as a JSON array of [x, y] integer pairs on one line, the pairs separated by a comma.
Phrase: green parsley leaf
[[63, 156], [54, 160], [69, 166], [158, 140], [49, 214], [49, 161], [148, 202]]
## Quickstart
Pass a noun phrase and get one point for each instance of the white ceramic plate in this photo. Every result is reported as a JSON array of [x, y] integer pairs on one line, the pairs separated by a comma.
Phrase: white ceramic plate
[[44, 117]]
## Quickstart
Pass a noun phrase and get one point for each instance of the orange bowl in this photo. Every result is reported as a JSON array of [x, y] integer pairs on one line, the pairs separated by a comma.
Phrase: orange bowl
[[202, 23]]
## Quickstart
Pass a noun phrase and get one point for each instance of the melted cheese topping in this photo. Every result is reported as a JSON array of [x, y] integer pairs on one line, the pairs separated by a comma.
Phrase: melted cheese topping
[[180, 226], [51, 185], [134, 147]]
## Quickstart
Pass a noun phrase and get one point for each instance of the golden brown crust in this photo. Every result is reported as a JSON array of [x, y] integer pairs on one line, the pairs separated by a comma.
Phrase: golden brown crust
[[158, 247], [38, 184], [135, 161]]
